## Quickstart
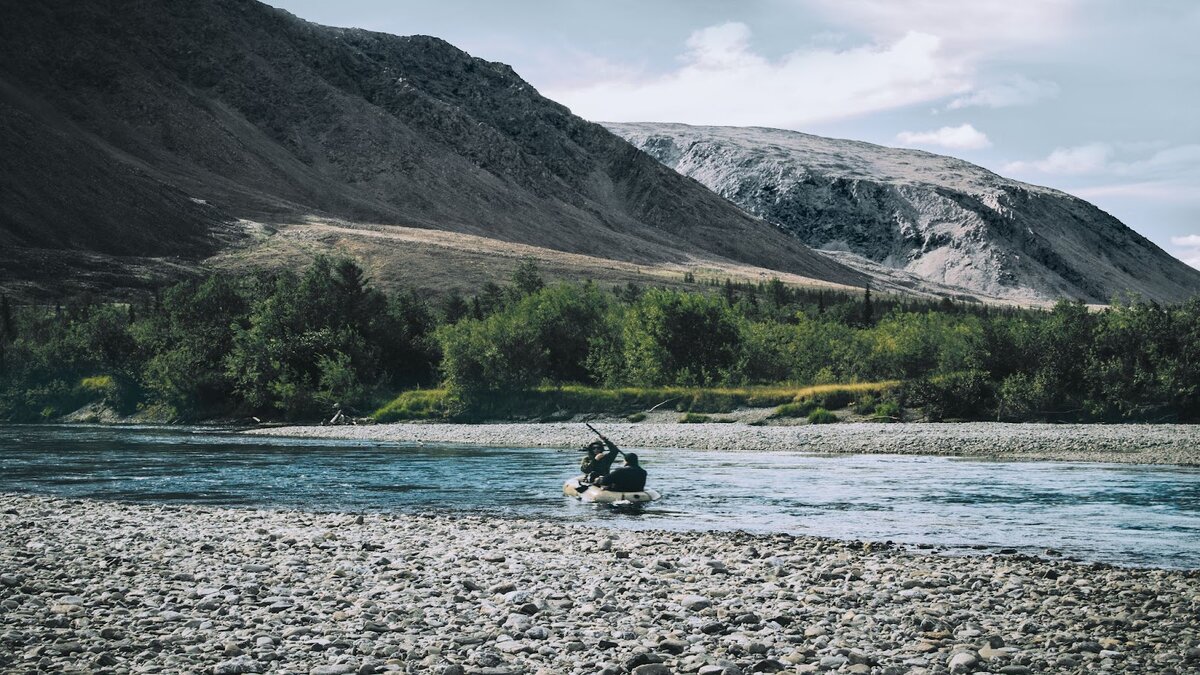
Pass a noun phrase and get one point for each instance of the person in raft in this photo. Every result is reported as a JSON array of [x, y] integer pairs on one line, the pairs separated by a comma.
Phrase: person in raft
[[629, 478], [598, 460]]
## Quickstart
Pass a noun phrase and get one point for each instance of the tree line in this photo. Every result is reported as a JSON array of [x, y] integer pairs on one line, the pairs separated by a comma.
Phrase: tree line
[[297, 346]]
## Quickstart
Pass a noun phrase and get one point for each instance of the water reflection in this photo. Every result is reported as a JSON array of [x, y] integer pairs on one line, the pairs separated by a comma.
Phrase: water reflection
[[1132, 515]]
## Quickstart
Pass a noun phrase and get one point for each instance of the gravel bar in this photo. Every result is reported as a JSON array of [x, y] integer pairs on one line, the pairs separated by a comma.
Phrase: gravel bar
[[89, 586], [1128, 443]]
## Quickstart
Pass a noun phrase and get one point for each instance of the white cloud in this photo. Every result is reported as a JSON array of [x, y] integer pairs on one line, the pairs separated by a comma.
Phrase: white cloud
[[1013, 91], [1172, 161], [1160, 191], [1175, 163], [1089, 158], [1189, 251], [975, 27], [962, 137], [723, 81]]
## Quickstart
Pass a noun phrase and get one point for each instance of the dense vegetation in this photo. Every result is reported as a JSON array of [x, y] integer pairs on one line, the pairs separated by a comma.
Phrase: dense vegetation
[[300, 346]]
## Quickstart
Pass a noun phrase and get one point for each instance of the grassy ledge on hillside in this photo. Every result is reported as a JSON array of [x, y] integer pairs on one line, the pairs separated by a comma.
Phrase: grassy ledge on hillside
[[560, 403]]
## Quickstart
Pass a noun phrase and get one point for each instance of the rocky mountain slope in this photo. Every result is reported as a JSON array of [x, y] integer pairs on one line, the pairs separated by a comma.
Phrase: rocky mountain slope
[[134, 129], [940, 218]]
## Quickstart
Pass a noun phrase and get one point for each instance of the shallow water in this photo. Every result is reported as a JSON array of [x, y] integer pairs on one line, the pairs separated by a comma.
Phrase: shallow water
[[1114, 513]]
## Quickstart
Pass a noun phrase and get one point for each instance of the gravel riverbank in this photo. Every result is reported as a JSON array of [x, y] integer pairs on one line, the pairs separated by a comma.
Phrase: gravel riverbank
[[1132, 443], [109, 587]]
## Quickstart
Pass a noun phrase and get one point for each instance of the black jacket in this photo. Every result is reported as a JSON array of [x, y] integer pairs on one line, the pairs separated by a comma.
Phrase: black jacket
[[626, 479]]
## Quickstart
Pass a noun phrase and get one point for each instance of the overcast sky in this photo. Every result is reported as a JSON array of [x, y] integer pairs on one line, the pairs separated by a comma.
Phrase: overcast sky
[[1100, 98]]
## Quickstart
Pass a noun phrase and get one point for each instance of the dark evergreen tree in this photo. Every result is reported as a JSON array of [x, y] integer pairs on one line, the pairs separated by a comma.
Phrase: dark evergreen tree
[[527, 278], [629, 293], [454, 307], [728, 291], [777, 292], [491, 299], [7, 326]]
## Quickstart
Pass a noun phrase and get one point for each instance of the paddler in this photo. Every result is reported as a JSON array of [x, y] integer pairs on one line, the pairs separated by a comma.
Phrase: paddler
[[598, 459], [629, 478]]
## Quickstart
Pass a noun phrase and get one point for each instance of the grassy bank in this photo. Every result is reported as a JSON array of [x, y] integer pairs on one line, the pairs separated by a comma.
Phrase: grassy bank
[[559, 403]]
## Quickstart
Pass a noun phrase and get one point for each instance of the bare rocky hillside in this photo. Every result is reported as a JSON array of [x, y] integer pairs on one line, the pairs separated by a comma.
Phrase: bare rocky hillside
[[138, 135], [939, 218]]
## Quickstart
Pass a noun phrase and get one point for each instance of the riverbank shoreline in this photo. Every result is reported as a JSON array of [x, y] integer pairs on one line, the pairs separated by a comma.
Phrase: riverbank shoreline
[[116, 587], [1117, 443]]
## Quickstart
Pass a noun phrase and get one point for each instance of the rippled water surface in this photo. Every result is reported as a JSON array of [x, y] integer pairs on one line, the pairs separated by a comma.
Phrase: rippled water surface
[[1121, 514]]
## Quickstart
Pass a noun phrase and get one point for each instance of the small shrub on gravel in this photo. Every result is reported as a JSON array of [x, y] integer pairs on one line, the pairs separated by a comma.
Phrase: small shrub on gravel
[[636, 417], [798, 409], [888, 412], [821, 416], [693, 418], [416, 404]]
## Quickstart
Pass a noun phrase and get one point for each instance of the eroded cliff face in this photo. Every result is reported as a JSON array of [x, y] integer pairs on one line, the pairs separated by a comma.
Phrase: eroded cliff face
[[941, 218]]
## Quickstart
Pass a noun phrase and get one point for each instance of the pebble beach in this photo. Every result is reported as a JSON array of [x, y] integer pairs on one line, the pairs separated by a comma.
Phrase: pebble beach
[[90, 586], [1126, 443]]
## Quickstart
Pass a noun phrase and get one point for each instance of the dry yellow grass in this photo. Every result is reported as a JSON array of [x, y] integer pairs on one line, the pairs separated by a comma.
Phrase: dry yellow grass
[[571, 399]]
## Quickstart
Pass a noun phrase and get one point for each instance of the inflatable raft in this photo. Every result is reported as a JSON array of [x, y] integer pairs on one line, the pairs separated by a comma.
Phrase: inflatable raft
[[595, 495]]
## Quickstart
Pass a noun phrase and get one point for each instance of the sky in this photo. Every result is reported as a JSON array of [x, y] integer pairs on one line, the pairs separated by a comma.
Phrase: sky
[[1098, 98]]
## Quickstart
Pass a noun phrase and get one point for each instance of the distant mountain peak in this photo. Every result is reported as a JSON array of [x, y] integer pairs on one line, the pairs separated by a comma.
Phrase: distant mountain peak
[[941, 218]]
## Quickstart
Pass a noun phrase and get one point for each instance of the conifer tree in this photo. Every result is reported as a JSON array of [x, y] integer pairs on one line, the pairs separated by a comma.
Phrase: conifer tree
[[7, 330]]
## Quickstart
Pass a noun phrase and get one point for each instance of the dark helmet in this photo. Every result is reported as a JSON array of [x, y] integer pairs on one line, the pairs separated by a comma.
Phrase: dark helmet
[[594, 445], [631, 459]]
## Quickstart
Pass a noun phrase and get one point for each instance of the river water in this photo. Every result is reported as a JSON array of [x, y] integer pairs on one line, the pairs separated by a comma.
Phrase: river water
[[1114, 513]]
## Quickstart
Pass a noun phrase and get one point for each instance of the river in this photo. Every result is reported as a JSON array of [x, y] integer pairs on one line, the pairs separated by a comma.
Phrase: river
[[1115, 513]]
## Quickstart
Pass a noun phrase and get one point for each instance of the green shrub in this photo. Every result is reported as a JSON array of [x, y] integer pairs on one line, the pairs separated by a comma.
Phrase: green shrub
[[888, 411], [694, 418], [636, 417], [959, 395], [835, 397], [865, 404], [800, 409], [834, 400], [821, 416], [338, 384], [670, 337], [708, 400], [417, 404], [113, 392], [99, 384], [1022, 396]]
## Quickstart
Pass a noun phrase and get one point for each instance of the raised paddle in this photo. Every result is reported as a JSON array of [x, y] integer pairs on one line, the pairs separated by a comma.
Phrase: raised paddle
[[604, 438]]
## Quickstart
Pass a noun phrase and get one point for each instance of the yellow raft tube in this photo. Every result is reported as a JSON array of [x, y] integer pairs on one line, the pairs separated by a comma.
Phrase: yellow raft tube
[[592, 494]]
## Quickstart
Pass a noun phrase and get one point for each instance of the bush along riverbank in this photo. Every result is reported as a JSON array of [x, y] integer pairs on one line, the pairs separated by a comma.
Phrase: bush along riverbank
[[102, 587], [302, 346]]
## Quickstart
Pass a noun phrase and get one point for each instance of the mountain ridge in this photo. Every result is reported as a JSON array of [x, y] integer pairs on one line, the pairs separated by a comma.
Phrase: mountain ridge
[[136, 128], [941, 218]]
